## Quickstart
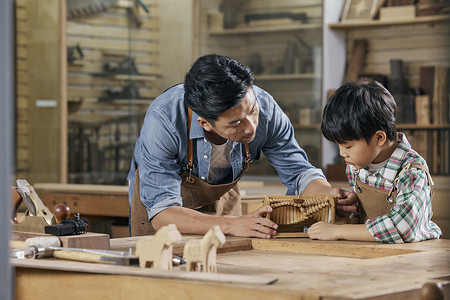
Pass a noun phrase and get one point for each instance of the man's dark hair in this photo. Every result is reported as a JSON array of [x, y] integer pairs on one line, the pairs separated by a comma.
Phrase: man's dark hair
[[215, 84], [357, 110]]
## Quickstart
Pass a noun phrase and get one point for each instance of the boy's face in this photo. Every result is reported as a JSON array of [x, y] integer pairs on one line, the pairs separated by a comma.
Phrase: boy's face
[[359, 153]]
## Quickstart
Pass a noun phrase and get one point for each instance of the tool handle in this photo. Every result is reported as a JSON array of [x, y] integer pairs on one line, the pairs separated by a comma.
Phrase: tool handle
[[61, 212], [79, 256], [16, 199]]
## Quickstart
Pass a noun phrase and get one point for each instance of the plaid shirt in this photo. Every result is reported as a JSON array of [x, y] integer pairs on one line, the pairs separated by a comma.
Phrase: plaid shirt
[[409, 220]]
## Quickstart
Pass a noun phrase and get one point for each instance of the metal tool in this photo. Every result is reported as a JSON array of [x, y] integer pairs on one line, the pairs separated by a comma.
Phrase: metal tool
[[81, 8], [123, 258], [178, 260], [96, 251], [40, 247], [37, 247], [37, 216], [73, 226]]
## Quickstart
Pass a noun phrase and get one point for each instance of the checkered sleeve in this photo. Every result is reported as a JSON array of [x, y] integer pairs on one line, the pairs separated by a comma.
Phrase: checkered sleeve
[[409, 219]]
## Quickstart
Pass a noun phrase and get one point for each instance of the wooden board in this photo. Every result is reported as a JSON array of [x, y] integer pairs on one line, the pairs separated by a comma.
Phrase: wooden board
[[304, 269], [88, 240]]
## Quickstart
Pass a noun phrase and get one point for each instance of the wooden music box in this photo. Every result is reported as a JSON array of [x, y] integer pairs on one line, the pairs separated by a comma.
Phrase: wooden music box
[[294, 214]]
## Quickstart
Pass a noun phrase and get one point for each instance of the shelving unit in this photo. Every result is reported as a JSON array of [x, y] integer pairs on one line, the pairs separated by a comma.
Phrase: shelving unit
[[266, 29], [349, 25], [286, 77], [420, 42], [285, 57]]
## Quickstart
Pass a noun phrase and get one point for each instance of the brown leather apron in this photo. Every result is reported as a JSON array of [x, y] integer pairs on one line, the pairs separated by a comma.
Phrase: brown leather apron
[[374, 202], [221, 199]]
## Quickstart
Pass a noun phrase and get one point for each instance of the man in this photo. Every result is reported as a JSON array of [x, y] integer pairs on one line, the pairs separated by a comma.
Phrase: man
[[198, 139]]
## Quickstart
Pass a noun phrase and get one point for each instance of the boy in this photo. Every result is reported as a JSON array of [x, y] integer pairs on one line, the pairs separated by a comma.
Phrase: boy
[[391, 179]]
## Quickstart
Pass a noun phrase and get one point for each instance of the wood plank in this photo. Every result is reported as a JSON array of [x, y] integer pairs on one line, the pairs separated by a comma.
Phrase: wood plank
[[97, 68], [417, 55], [81, 267], [88, 240], [116, 80], [377, 23], [112, 44], [21, 26], [105, 20], [310, 247], [399, 32], [409, 42], [43, 50], [95, 92], [90, 30], [82, 188], [101, 56]]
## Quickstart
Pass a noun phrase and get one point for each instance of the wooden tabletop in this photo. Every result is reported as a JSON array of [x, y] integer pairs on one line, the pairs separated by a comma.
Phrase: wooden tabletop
[[297, 268]]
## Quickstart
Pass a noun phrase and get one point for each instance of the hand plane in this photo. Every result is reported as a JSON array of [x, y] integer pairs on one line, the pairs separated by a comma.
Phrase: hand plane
[[37, 215]]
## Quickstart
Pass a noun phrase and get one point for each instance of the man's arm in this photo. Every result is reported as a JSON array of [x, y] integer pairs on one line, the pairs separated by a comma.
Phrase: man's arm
[[193, 222]]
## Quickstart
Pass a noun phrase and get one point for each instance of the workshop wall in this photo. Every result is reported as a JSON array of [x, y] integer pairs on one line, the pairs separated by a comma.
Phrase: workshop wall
[[113, 73]]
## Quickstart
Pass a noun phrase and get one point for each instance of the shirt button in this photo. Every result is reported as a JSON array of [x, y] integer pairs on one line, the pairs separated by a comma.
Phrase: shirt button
[[205, 156], [203, 177]]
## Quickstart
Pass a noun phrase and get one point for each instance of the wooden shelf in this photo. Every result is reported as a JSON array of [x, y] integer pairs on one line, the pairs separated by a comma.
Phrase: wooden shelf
[[267, 77], [306, 127], [264, 29], [422, 126], [348, 25], [135, 77]]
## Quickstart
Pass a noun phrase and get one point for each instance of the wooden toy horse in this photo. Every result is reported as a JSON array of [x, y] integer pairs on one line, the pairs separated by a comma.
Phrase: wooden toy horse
[[204, 251], [156, 252]]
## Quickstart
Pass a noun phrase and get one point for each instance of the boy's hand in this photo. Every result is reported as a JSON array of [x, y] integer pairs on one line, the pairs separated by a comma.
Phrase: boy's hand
[[346, 203], [323, 231]]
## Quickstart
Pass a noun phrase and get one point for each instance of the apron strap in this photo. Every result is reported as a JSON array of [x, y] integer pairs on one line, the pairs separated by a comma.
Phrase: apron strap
[[190, 164], [409, 166]]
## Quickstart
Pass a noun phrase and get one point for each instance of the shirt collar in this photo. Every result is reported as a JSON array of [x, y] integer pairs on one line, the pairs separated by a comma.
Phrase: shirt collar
[[396, 159], [196, 130]]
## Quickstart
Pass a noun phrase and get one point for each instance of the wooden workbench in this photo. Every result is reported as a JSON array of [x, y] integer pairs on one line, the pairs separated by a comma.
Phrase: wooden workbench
[[252, 269], [111, 201]]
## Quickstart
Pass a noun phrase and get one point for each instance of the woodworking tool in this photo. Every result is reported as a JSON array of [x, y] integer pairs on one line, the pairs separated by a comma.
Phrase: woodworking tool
[[40, 247], [73, 226], [81, 8], [37, 215], [178, 260]]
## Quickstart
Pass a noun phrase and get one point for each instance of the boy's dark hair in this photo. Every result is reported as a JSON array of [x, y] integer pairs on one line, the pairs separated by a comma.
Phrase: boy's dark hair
[[357, 110], [215, 84]]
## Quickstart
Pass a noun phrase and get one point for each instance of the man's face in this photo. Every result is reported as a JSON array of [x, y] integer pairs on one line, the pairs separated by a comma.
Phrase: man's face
[[238, 123]]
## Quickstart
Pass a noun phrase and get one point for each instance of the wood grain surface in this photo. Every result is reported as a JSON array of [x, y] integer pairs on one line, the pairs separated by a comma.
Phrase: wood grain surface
[[297, 268]]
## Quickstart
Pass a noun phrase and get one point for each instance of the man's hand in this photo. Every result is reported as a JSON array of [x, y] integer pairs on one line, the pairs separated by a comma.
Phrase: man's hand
[[253, 224], [346, 203]]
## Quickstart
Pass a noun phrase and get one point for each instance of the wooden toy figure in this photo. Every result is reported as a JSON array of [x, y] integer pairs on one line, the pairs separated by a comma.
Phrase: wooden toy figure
[[204, 251], [156, 252]]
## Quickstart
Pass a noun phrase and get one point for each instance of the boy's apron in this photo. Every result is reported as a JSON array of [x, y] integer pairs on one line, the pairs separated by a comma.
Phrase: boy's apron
[[375, 202], [221, 199]]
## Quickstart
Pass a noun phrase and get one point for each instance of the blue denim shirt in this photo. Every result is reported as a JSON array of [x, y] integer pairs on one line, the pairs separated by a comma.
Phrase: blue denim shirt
[[161, 150]]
